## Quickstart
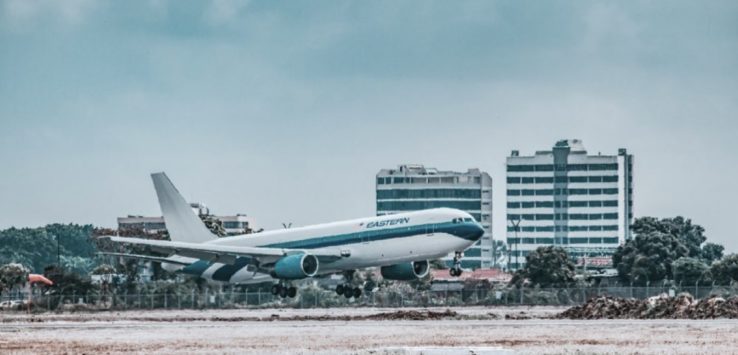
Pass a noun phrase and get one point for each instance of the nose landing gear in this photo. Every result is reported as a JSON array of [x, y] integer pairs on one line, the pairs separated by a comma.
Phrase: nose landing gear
[[345, 289], [456, 270], [284, 291]]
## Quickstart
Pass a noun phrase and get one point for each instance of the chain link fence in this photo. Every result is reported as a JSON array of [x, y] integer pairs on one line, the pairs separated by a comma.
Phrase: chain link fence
[[316, 297]]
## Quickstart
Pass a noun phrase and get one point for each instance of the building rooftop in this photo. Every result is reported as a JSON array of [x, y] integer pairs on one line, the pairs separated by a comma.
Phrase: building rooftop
[[421, 170]]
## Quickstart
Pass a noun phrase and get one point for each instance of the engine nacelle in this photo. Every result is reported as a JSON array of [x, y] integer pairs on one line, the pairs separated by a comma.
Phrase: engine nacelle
[[296, 266], [407, 271]]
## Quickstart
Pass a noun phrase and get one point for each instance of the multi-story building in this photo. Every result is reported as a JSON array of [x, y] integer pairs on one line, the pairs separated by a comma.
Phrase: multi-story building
[[568, 198], [233, 225], [415, 187]]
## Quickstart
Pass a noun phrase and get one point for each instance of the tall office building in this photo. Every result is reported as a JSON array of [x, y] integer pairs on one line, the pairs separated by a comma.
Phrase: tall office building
[[415, 187], [567, 198]]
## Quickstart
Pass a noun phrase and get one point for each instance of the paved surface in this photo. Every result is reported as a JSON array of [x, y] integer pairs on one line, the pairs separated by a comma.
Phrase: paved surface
[[178, 333]]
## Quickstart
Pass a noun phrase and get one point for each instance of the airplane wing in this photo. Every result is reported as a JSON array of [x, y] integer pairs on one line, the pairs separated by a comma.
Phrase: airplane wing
[[147, 258], [225, 254]]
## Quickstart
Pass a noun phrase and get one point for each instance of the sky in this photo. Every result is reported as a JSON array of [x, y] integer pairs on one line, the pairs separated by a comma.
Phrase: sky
[[286, 110]]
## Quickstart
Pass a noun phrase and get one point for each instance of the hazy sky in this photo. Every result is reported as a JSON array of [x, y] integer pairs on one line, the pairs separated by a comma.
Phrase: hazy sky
[[286, 110]]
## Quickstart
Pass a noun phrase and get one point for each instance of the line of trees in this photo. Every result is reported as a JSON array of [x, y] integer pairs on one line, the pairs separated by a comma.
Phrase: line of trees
[[667, 249]]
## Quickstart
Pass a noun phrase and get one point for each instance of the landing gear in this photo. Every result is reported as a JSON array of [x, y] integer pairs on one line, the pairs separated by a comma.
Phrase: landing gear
[[345, 289], [284, 291], [456, 270]]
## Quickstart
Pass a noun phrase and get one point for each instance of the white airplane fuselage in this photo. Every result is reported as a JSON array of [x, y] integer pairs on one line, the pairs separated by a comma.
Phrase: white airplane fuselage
[[366, 242]]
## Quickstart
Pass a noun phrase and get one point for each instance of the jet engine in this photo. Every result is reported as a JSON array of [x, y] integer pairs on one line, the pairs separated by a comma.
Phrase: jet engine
[[406, 271], [296, 266]]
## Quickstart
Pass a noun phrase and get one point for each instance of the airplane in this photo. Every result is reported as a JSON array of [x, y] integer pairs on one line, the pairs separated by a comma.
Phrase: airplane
[[399, 244]]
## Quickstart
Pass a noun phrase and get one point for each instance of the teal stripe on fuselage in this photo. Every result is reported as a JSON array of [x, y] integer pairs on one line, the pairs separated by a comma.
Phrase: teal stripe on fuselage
[[196, 268], [462, 230]]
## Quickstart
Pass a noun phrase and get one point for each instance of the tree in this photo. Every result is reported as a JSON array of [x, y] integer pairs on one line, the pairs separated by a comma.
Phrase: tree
[[68, 283], [691, 235], [648, 257], [546, 267], [37, 247], [12, 275], [690, 270], [725, 270], [712, 252]]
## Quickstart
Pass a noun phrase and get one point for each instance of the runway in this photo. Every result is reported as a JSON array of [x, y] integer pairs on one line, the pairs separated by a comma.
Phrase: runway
[[181, 332]]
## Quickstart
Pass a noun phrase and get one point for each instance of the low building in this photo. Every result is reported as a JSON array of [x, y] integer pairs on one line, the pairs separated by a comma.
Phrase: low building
[[233, 225]]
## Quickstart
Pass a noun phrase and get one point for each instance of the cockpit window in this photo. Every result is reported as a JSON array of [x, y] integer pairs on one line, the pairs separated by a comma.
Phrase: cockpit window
[[468, 220]]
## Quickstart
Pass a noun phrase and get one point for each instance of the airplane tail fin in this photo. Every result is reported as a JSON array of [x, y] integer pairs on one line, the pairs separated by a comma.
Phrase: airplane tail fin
[[182, 223]]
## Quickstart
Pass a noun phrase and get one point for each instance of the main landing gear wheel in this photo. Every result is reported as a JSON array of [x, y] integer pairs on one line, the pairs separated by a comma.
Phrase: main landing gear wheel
[[345, 289], [284, 291]]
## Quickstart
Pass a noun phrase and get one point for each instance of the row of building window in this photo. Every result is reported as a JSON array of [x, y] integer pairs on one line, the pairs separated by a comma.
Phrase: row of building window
[[577, 240], [561, 179], [235, 225], [143, 225], [562, 216], [566, 167], [477, 217], [429, 180], [572, 254], [532, 229], [551, 192], [429, 193], [562, 204], [421, 205], [473, 252]]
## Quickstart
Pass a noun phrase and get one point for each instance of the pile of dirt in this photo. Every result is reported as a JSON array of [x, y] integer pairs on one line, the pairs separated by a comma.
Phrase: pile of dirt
[[683, 306], [411, 315]]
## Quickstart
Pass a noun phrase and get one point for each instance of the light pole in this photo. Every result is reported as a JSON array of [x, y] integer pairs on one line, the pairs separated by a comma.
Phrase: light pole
[[58, 252], [516, 226]]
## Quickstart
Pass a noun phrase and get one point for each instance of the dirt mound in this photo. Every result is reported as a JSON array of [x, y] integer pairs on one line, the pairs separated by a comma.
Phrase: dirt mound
[[683, 306], [412, 315]]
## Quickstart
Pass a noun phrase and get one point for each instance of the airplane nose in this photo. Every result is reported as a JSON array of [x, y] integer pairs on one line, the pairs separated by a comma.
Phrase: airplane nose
[[478, 232], [471, 232]]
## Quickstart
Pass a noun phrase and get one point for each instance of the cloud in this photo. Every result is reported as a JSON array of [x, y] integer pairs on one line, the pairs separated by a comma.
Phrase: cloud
[[22, 14], [225, 11]]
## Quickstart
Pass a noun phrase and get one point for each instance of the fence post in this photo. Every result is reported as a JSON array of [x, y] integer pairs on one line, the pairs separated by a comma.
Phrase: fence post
[[521, 293]]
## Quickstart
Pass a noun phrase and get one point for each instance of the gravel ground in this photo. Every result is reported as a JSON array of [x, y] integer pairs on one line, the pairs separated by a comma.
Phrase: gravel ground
[[484, 329]]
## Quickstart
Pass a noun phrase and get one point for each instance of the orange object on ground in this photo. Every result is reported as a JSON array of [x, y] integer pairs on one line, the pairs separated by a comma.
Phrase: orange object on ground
[[36, 278]]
